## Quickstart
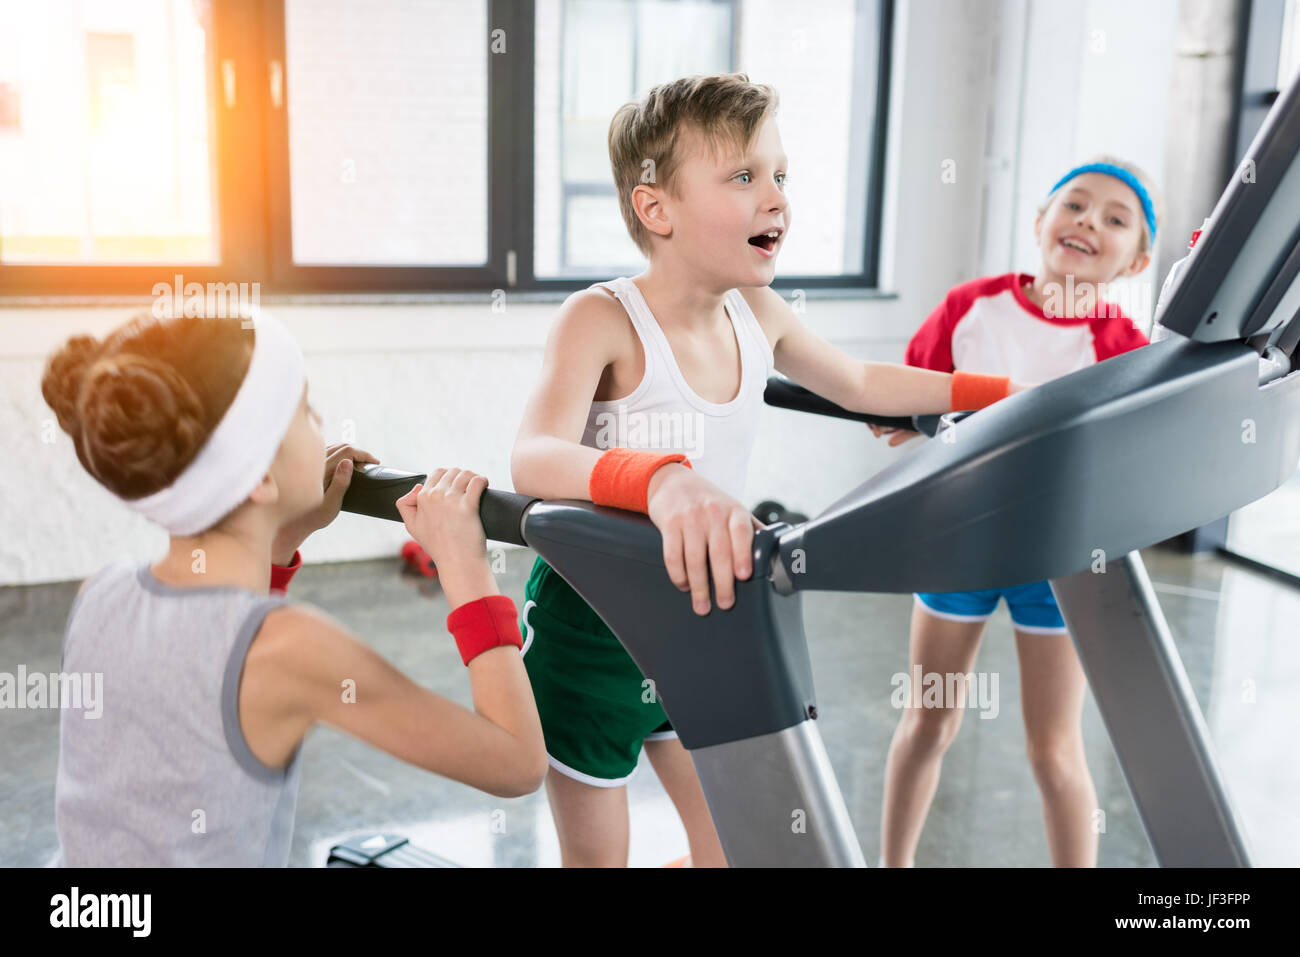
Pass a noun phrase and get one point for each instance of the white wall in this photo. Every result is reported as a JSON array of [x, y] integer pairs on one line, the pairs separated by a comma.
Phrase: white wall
[[1074, 79], [430, 384]]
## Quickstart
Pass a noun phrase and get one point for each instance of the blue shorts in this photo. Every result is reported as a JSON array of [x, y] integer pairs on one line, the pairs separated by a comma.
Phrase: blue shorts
[[1033, 607]]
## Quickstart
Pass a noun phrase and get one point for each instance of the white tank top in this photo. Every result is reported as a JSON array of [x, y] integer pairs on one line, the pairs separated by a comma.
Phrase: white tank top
[[664, 414]]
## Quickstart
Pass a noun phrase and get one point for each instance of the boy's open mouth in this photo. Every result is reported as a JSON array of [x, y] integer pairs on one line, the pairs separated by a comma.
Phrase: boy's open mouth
[[767, 240]]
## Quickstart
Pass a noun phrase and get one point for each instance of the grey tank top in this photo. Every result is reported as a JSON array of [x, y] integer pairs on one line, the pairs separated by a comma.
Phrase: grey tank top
[[163, 776]]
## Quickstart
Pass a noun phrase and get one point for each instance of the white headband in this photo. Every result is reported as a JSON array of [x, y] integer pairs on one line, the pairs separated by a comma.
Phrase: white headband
[[240, 450]]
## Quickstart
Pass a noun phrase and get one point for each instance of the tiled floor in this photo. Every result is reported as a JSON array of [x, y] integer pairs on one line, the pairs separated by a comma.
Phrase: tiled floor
[[1236, 633]]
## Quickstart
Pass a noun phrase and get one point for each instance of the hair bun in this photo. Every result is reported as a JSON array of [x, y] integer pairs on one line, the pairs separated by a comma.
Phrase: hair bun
[[63, 378], [140, 404], [141, 423]]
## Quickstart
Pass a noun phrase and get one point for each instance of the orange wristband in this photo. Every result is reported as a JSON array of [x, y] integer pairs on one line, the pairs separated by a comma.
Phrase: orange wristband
[[621, 477], [973, 391], [483, 624]]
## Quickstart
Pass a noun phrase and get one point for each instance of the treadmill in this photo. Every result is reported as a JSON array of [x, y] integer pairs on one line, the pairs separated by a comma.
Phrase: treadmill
[[1063, 482]]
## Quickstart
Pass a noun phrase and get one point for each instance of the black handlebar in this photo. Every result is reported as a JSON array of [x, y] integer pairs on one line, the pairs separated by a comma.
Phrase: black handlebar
[[375, 489], [502, 514], [784, 394]]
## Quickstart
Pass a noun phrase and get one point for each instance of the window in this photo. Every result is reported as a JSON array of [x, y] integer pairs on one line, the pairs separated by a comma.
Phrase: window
[[1288, 61], [398, 145], [105, 146], [592, 56], [387, 112], [1263, 534], [1269, 57]]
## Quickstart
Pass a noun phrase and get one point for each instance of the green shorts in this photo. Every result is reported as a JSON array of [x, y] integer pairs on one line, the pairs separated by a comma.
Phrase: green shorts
[[596, 706]]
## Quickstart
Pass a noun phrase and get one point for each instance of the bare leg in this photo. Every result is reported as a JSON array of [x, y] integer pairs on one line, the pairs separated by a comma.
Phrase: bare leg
[[941, 646], [592, 822], [676, 771], [1052, 686]]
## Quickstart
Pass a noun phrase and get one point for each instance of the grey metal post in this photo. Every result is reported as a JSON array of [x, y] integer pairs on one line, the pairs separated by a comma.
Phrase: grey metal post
[[1151, 715], [775, 801]]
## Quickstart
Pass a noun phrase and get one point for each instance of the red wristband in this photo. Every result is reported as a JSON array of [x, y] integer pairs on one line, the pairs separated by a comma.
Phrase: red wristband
[[621, 477], [483, 624], [281, 575], [973, 391]]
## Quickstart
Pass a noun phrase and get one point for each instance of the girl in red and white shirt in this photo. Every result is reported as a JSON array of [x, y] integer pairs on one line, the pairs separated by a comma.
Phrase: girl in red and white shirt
[[1097, 225]]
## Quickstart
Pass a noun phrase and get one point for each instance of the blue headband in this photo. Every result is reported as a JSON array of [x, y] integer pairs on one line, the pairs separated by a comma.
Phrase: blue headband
[[1125, 177]]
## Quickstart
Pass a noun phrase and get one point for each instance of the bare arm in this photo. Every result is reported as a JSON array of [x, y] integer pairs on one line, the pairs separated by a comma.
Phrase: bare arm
[[549, 459], [884, 388], [304, 667]]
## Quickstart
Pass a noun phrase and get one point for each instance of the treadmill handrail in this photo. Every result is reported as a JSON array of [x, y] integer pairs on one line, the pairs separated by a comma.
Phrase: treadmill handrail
[[1097, 463], [375, 489], [782, 393]]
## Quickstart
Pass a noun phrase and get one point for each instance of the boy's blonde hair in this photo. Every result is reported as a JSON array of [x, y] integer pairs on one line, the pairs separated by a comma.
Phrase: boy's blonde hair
[[1157, 198], [645, 146]]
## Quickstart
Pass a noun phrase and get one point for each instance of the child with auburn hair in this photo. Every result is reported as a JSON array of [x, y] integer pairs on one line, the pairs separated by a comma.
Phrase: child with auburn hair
[[203, 426], [1097, 224], [700, 174]]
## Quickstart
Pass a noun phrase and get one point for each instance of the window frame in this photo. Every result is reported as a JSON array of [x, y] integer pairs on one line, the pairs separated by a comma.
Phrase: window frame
[[1255, 84], [1255, 88], [236, 40], [287, 277], [252, 202], [865, 281], [574, 188]]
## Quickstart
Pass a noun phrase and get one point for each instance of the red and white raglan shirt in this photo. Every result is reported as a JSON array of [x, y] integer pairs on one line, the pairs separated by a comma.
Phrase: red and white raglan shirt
[[989, 326]]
